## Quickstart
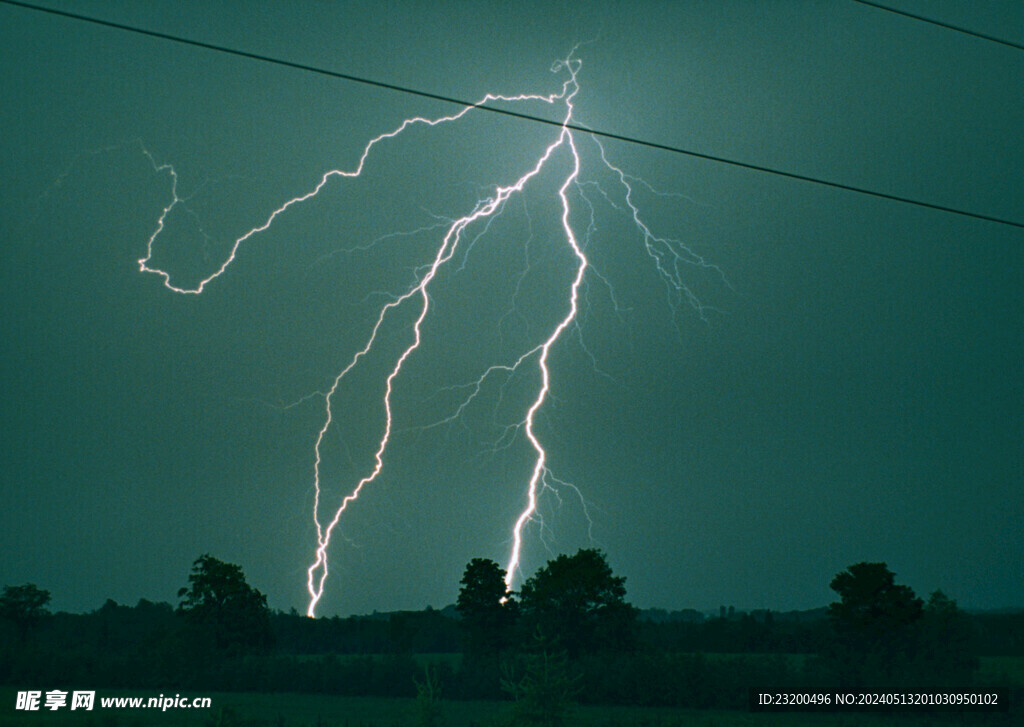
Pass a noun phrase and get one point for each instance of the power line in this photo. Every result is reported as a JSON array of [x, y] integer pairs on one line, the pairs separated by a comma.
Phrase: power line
[[949, 26], [507, 112]]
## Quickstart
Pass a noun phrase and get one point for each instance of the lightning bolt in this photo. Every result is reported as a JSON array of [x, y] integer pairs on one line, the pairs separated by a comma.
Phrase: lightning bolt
[[668, 255]]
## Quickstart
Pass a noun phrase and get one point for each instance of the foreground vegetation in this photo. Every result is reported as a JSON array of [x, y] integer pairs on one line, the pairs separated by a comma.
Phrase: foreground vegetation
[[567, 649], [310, 710]]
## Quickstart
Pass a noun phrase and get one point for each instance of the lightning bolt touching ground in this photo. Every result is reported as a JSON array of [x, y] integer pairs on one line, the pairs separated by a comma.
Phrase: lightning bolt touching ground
[[668, 255]]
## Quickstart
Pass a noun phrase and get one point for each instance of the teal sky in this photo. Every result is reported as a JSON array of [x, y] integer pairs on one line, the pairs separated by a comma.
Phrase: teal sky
[[852, 392]]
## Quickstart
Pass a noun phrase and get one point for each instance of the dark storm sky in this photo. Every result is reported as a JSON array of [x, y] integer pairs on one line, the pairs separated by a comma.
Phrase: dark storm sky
[[856, 396]]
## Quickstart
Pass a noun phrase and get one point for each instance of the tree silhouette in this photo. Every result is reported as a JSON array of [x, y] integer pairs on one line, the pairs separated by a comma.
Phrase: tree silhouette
[[220, 603], [24, 606], [486, 608], [947, 645], [578, 602], [487, 614], [872, 604], [874, 622]]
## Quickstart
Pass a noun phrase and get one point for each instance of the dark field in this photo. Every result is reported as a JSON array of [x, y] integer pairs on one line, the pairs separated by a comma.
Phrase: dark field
[[248, 709], [307, 710]]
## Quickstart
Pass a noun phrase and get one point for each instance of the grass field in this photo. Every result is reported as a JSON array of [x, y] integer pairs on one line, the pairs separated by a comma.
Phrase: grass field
[[245, 709], [1001, 671], [307, 710]]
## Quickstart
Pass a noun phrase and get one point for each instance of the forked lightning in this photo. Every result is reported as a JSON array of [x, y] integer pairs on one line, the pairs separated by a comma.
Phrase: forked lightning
[[668, 255]]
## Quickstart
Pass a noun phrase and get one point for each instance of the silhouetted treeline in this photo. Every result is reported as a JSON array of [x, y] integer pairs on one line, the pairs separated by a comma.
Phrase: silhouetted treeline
[[402, 632], [758, 632], [490, 646], [116, 629], [676, 663]]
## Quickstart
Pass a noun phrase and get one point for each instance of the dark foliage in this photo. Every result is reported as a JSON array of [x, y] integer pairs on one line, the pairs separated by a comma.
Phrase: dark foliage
[[24, 606], [947, 650], [418, 632], [872, 606], [487, 615], [885, 637], [221, 606], [543, 683], [758, 632], [487, 610], [681, 659], [999, 634], [577, 602]]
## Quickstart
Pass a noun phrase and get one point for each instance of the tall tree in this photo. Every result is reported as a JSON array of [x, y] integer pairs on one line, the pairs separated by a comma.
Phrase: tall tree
[[487, 616], [220, 602], [486, 607], [578, 602], [875, 624], [24, 606], [871, 604]]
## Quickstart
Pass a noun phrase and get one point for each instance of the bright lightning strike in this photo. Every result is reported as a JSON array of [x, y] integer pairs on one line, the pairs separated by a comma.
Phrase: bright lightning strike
[[668, 255]]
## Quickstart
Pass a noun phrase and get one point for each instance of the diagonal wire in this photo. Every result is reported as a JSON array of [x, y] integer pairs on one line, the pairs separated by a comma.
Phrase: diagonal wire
[[949, 26], [508, 112]]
